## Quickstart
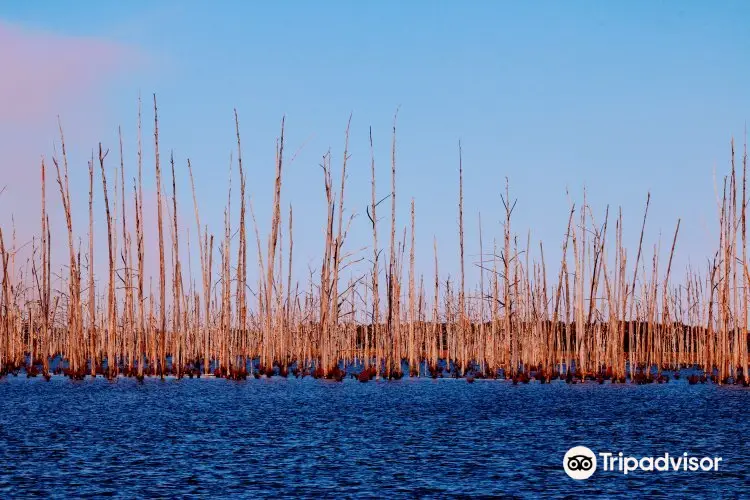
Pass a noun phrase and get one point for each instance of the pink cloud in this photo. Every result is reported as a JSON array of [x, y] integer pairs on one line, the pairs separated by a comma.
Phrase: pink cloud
[[45, 75], [42, 70]]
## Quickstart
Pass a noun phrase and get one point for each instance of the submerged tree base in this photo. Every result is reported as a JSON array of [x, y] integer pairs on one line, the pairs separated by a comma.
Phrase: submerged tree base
[[364, 372]]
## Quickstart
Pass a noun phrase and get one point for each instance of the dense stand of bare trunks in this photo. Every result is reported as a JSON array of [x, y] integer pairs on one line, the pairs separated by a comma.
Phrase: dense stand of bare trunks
[[601, 314]]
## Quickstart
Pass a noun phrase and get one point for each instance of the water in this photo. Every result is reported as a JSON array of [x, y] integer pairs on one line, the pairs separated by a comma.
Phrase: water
[[319, 438]]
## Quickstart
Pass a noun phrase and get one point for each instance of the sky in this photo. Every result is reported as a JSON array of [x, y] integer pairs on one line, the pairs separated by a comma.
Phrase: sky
[[619, 98]]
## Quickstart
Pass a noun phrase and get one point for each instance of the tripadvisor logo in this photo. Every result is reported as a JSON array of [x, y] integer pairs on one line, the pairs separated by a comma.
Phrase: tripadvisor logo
[[580, 463]]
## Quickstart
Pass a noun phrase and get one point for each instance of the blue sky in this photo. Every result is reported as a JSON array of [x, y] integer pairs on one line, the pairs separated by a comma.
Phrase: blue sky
[[620, 97]]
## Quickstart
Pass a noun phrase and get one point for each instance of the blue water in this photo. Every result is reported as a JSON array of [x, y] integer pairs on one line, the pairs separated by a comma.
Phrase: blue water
[[408, 438]]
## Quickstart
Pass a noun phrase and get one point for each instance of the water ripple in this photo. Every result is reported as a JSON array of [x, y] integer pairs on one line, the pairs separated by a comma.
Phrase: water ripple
[[424, 438]]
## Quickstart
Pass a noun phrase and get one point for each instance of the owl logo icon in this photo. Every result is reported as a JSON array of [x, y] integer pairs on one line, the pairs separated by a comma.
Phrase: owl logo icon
[[579, 462]]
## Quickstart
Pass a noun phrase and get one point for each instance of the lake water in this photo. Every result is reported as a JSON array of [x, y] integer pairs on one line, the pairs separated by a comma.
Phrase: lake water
[[318, 438]]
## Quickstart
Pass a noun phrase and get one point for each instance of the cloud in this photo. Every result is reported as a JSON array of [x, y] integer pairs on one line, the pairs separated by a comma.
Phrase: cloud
[[43, 71], [46, 75]]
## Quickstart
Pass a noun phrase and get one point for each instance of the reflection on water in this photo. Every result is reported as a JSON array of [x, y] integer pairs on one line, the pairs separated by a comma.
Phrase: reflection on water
[[317, 438]]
